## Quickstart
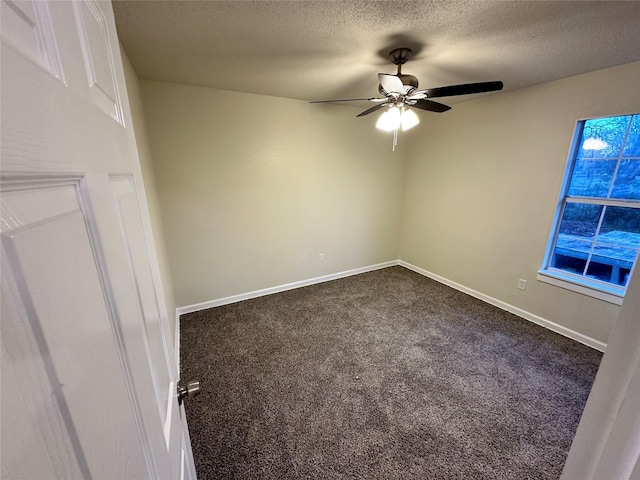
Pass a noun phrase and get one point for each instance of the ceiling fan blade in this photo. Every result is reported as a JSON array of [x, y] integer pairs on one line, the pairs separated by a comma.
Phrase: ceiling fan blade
[[372, 99], [391, 83], [372, 109], [464, 89], [431, 106]]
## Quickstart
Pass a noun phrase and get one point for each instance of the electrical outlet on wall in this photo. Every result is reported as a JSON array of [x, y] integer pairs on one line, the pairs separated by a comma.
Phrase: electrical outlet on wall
[[321, 258], [522, 284]]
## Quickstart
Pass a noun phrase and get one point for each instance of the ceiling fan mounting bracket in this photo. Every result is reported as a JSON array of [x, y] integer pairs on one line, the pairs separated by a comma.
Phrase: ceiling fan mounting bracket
[[400, 56]]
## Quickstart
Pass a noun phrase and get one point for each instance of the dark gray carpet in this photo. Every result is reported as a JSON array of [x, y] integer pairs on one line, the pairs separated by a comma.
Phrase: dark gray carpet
[[384, 375]]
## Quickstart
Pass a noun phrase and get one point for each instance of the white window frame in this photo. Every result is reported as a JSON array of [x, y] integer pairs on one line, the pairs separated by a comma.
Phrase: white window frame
[[578, 283]]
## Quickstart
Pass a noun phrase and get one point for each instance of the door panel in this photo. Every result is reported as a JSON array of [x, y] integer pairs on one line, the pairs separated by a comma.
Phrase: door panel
[[51, 260], [46, 438], [98, 58], [162, 369], [88, 371], [27, 26], [133, 236]]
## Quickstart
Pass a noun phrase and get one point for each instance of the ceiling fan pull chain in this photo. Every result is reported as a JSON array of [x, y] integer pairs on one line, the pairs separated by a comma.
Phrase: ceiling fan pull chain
[[395, 140]]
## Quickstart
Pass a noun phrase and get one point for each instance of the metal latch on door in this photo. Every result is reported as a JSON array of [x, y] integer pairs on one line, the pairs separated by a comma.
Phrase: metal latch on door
[[190, 390]]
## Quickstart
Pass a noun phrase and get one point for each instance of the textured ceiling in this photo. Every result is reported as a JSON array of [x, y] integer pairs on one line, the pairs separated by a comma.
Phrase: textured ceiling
[[314, 50]]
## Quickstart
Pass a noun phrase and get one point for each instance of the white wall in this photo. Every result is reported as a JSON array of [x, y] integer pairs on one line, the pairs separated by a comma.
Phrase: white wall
[[253, 188], [146, 165], [482, 183]]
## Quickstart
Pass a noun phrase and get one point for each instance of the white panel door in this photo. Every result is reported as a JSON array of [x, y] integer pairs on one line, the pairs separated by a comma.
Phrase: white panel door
[[88, 373]]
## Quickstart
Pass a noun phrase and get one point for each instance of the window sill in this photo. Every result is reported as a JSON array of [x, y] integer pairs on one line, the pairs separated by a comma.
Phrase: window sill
[[594, 290]]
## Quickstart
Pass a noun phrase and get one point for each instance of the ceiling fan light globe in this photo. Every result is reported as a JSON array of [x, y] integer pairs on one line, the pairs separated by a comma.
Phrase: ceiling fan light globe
[[390, 120], [409, 120], [383, 122]]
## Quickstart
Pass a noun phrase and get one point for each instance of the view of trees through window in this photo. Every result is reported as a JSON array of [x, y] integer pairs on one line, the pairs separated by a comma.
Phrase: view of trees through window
[[599, 231]]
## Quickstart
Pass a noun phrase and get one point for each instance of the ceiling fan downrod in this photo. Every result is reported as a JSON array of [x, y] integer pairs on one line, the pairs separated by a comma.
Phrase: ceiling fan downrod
[[400, 56]]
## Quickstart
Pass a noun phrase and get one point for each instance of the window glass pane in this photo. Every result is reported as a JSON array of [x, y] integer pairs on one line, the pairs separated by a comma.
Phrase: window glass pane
[[577, 230], [616, 246], [621, 224], [611, 264], [580, 220], [591, 178], [603, 137], [627, 184], [570, 254], [600, 271], [632, 146], [614, 255]]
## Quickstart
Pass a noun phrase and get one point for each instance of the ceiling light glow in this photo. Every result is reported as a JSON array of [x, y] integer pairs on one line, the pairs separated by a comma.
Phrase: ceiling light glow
[[593, 143], [390, 120], [397, 117]]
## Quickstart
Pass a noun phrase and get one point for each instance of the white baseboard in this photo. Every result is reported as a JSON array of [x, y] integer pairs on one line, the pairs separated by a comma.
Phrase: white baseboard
[[567, 332], [281, 288]]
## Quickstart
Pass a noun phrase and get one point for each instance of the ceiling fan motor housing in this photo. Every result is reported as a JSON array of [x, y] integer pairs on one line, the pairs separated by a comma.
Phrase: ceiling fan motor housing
[[406, 79]]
